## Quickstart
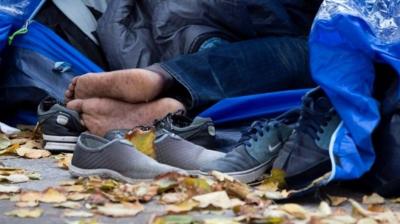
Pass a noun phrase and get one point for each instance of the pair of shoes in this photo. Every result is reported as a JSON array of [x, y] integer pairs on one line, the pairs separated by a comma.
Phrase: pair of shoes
[[296, 142], [117, 158], [60, 126]]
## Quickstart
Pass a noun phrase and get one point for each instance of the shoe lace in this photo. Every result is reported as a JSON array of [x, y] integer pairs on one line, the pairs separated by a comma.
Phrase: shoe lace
[[311, 122], [171, 118], [256, 130]]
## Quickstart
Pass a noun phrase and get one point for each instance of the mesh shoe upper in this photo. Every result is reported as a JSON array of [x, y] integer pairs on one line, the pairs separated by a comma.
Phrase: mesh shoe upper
[[260, 144], [57, 120], [305, 156]]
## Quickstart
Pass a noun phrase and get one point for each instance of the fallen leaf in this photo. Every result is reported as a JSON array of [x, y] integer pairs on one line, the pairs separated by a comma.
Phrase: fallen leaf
[[9, 189], [336, 201], [373, 199], [34, 176], [30, 196], [173, 219], [25, 213], [64, 160], [75, 213], [237, 189], [4, 196], [324, 209], [68, 204], [376, 208], [174, 197], [367, 221], [358, 210], [217, 199], [76, 196], [4, 141], [17, 178], [120, 210], [185, 206], [277, 176], [74, 188], [52, 195], [83, 221], [143, 140], [295, 210], [221, 176], [27, 204], [220, 221], [197, 185], [10, 150]]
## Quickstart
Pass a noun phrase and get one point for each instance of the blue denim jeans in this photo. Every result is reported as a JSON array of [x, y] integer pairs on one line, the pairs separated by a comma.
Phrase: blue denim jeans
[[241, 68]]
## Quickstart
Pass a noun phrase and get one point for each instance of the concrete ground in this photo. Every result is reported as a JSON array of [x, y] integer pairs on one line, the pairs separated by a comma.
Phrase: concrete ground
[[52, 176]]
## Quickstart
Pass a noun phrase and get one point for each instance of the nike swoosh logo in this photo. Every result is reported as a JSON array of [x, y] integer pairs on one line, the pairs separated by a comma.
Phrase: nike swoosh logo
[[273, 148]]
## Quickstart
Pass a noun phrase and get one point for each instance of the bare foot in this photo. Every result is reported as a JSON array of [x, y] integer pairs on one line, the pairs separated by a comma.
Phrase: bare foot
[[130, 85], [101, 115]]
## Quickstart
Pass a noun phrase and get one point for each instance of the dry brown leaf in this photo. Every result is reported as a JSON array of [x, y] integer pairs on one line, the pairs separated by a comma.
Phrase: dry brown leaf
[[30, 196], [295, 210], [237, 189], [358, 211], [9, 189], [367, 221], [68, 204], [4, 141], [52, 195], [324, 209], [4, 196], [120, 210], [74, 188], [336, 201], [80, 213], [217, 199], [143, 140], [373, 199], [16, 178], [27, 204], [376, 208], [10, 150], [64, 160], [221, 176], [25, 213], [76, 196], [185, 206], [174, 197]]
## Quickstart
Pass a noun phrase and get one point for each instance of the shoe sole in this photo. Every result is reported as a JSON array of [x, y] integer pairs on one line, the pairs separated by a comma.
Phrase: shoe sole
[[59, 146], [104, 173], [107, 173], [56, 138], [250, 175]]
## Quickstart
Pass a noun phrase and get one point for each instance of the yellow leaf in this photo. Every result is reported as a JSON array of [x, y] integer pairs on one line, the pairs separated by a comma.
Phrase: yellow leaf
[[74, 213], [373, 199], [217, 199], [143, 140], [64, 161], [185, 206], [4, 141], [25, 213], [52, 195], [68, 204], [27, 204], [336, 201], [10, 150], [120, 210], [295, 210], [277, 177], [30, 196]]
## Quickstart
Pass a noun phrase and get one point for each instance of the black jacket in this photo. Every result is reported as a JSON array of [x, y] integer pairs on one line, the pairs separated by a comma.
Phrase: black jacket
[[137, 33]]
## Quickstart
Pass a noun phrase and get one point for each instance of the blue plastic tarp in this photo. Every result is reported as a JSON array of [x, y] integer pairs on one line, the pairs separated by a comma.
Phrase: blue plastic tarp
[[348, 36]]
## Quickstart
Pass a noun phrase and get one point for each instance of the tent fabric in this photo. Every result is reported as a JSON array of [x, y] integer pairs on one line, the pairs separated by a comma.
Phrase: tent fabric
[[347, 38], [251, 107]]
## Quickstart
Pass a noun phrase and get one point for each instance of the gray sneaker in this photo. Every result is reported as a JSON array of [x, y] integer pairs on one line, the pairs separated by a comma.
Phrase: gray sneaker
[[118, 159], [200, 130], [60, 126], [173, 150], [257, 148]]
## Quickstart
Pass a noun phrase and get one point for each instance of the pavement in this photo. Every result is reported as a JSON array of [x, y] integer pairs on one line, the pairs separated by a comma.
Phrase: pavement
[[51, 175]]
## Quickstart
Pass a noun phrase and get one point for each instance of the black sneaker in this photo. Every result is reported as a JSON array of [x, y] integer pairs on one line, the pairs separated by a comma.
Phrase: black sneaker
[[305, 156], [200, 131], [257, 148], [60, 126]]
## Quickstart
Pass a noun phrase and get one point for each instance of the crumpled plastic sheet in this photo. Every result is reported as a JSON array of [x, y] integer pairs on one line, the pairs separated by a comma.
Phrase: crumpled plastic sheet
[[21, 9], [383, 16]]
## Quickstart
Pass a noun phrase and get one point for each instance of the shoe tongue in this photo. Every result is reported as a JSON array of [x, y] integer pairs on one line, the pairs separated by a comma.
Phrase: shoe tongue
[[321, 105]]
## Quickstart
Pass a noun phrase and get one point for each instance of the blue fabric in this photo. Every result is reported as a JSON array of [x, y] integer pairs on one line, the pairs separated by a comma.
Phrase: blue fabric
[[344, 47], [254, 106]]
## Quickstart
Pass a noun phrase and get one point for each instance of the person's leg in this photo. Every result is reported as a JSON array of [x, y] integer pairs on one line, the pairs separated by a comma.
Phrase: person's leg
[[102, 114], [242, 68], [130, 85]]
